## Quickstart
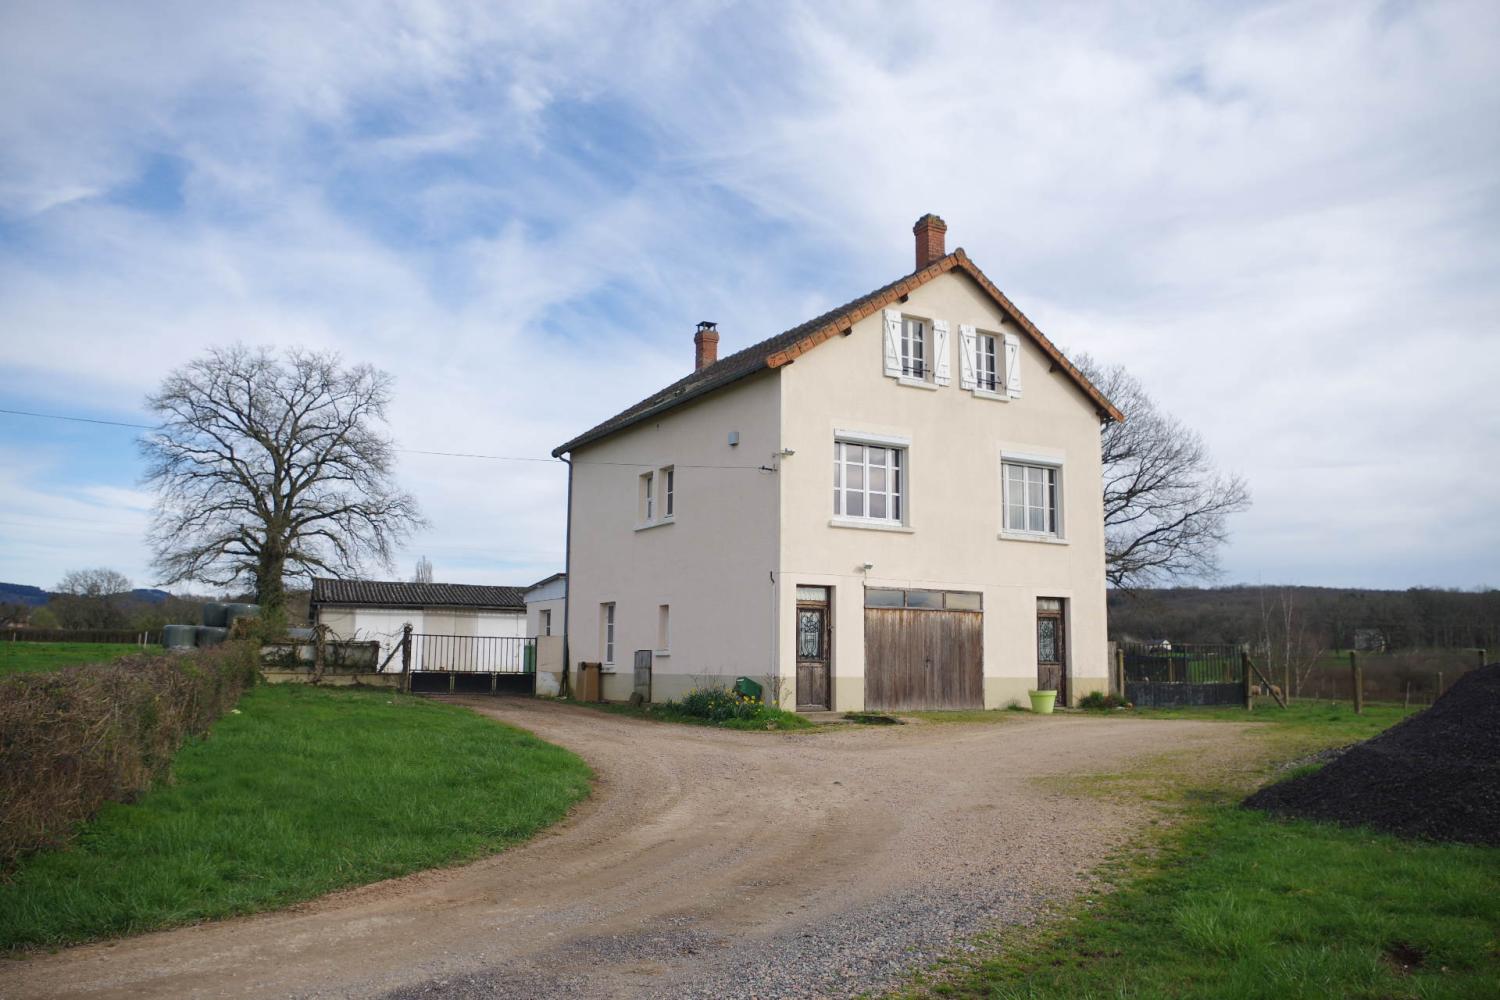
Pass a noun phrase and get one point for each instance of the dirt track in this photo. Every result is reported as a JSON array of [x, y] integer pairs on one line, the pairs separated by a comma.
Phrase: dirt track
[[707, 863]]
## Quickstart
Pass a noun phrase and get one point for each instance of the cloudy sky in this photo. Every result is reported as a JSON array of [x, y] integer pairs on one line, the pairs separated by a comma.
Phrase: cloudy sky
[[1282, 217]]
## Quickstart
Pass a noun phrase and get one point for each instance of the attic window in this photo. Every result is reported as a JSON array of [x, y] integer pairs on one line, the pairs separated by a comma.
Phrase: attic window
[[914, 348]]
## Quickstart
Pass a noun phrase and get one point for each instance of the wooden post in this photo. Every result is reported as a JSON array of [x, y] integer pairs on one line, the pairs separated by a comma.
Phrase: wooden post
[[1120, 668], [1357, 679], [1482, 653], [406, 655], [1245, 679], [1408, 695], [1440, 683]]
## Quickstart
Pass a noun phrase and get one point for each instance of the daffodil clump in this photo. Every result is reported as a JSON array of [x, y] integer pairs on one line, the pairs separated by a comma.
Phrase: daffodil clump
[[720, 705]]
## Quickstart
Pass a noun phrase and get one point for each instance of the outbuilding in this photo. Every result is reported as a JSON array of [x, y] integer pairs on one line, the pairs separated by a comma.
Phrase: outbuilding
[[379, 610]]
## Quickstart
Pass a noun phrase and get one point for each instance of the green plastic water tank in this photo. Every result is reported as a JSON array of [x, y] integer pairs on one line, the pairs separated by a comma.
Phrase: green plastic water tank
[[530, 659], [179, 636], [233, 612], [747, 687], [214, 614], [209, 635]]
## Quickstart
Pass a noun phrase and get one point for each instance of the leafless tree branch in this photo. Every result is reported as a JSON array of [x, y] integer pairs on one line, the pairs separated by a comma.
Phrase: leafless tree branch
[[1166, 506]]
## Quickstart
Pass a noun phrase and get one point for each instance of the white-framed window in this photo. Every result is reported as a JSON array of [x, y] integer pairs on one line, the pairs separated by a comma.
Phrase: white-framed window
[[915, 360], [988, 355], [648, 498], [544, 620], [664, 628], [1033, 498], [607, 630], [669, 491], [869, 481]]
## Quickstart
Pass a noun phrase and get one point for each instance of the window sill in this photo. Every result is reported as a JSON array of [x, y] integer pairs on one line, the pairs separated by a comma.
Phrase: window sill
[[1026, 536], [870, 525], [915, 383], [661, 652], [655, 524], [998, 397]]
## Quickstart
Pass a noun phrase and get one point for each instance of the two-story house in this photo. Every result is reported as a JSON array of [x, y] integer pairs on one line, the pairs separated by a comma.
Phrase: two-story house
[[894, 505]]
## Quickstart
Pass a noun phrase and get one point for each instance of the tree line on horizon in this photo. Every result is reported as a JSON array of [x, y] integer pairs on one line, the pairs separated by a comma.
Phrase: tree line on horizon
[[1310, 618]]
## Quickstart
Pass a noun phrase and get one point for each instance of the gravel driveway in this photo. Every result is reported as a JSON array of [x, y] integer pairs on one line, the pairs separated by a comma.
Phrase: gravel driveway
[[708, 863]]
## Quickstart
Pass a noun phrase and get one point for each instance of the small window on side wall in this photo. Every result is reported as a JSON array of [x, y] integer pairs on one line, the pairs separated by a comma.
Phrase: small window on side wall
[[648, 498], [607, 631]]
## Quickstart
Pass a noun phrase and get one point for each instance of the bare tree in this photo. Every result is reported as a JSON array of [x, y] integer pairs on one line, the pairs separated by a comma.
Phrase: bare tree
[[92, 598], [1290, 646], [270, 468], [1165, 504], [423, 573]]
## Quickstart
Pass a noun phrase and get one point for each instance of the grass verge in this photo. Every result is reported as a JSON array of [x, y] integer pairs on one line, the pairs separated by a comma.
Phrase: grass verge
[[771, 720], [35, 657], [298, 792], [1224, 902]]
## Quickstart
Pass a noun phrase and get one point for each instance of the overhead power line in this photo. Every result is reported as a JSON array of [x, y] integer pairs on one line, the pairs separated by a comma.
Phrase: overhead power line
[[405, 451]]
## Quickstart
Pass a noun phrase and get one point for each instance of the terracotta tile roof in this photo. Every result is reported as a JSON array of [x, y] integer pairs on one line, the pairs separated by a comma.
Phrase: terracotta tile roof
[[396, 594], [784, 348]]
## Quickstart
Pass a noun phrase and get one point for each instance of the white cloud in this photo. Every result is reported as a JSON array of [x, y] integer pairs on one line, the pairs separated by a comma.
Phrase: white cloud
[[1281, 218]]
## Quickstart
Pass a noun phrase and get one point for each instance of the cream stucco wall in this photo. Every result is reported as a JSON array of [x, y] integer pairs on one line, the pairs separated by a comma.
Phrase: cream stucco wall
[[953, 499], [712, 564], [534, 611]]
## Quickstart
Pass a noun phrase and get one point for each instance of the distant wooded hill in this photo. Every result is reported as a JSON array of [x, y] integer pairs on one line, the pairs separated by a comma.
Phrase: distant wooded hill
[[35, 597], [1328, 617]]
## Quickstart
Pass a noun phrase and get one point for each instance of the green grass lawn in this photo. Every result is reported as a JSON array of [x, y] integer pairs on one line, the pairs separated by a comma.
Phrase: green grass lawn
[[298, 792], [32, 657], [1223, 902]]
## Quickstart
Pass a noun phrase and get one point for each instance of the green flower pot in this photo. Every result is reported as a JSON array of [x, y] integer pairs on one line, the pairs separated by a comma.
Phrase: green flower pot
[[1042, 701]]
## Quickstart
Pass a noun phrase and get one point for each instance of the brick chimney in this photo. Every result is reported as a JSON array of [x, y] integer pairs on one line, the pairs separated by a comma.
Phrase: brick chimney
[[932, 234], [705, 345]]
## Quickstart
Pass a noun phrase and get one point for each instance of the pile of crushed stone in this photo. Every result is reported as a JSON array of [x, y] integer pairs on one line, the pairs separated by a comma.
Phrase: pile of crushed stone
[[1434, 775]]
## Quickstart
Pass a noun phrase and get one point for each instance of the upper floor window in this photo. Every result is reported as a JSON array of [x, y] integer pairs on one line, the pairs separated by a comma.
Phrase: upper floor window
[[986, 368], [1032, 499], [989, 363], [868, 481], [656, 497], [914, 348]]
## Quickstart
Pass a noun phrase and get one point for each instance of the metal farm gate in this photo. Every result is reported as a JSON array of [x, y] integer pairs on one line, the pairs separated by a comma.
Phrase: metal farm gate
[[1162, 675], [469, 662]]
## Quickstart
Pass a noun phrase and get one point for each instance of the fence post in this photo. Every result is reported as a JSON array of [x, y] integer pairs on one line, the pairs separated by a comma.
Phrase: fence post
[[1120, 667], [1440, 683], [406, 655], [1358, 680], [1245, 679], [1482, 654]]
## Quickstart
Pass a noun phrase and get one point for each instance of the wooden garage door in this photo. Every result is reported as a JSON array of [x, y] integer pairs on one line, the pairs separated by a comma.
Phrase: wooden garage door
[[926, 653]]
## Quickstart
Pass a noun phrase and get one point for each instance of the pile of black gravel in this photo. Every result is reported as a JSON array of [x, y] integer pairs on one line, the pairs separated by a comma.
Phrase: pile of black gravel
[[1434, 775]]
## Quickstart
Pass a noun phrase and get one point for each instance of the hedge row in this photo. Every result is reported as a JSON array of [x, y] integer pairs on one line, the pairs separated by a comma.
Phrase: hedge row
[[73, 739]]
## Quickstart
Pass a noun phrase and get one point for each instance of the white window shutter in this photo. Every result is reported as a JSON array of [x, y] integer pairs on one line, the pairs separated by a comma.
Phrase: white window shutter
[[968, 356], [942, 372], [1012, 366], [893, 343]]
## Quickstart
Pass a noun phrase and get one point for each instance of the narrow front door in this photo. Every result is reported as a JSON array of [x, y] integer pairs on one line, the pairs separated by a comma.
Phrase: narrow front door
[[813, 681], [1051, 670]]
